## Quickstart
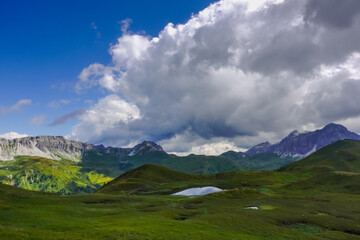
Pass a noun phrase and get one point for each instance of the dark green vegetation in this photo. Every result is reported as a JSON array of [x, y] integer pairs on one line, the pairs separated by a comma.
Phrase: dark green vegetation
[[201, 164], [263, 161], [191, 164], [300, 201], [334, 168]]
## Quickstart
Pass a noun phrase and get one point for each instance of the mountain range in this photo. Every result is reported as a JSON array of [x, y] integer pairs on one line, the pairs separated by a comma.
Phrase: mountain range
[[56, 164], [296, 145]]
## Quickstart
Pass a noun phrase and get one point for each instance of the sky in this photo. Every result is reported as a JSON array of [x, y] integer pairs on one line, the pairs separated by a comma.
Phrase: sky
[[194, 76]]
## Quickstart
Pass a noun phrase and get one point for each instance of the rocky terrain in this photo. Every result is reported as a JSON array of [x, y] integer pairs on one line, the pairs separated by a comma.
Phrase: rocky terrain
[[299, 145]]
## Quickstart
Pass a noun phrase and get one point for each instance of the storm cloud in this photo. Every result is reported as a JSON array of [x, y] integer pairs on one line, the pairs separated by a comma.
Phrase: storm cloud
[[237, 73]]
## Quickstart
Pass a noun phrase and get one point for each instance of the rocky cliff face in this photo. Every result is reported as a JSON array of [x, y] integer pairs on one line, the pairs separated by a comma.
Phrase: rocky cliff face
[[44, 146], [299, 145], [57, 147], [258, 149], [144, 148]]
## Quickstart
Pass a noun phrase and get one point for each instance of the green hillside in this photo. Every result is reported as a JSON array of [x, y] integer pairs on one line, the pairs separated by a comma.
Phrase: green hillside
[[341, 156], [191, 164], [334, 168], [153, 179], [148, 177], [209, 164], [43, 174]]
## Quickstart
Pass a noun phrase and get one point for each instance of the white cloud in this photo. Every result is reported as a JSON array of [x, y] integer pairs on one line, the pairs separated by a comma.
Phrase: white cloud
[[238, 71], [38, 120], [17, 106], [105, 119], [12, 135]]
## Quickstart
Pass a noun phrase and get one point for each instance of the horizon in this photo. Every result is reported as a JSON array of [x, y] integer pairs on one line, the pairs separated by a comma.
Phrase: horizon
[[192, 77], [15, 135]]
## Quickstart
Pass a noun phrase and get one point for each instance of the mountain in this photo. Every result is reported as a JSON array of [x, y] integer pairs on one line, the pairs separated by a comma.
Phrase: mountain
[[55, 164], [54, 147], [57, 147], [145, 148], [258, 149], [299, 145]]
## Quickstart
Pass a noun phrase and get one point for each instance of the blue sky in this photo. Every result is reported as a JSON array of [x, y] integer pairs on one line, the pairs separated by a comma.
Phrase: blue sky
[[44, 45], [224, 76]]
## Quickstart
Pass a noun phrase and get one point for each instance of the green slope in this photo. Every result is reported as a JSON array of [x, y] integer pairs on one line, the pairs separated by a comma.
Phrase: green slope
[[340, 156], [147, 178], [151, 179], [264, 161], [334, 168], [190, 164], [43, 174], [209, 164]]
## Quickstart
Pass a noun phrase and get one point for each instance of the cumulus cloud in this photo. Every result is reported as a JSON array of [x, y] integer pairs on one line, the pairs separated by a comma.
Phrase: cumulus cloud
[[125, 24], [106, 121], [331, 13], [238, 72], [12, 135], [17, 106]]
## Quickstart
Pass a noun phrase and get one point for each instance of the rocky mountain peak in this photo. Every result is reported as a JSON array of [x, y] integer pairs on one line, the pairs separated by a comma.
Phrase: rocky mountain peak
[[54, 147], [300, 144], [335, 128], [145, 147], [258, 149]]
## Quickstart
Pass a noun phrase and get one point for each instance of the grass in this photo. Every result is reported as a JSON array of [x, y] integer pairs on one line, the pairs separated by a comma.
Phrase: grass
[[43, 174], [290, 215]]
